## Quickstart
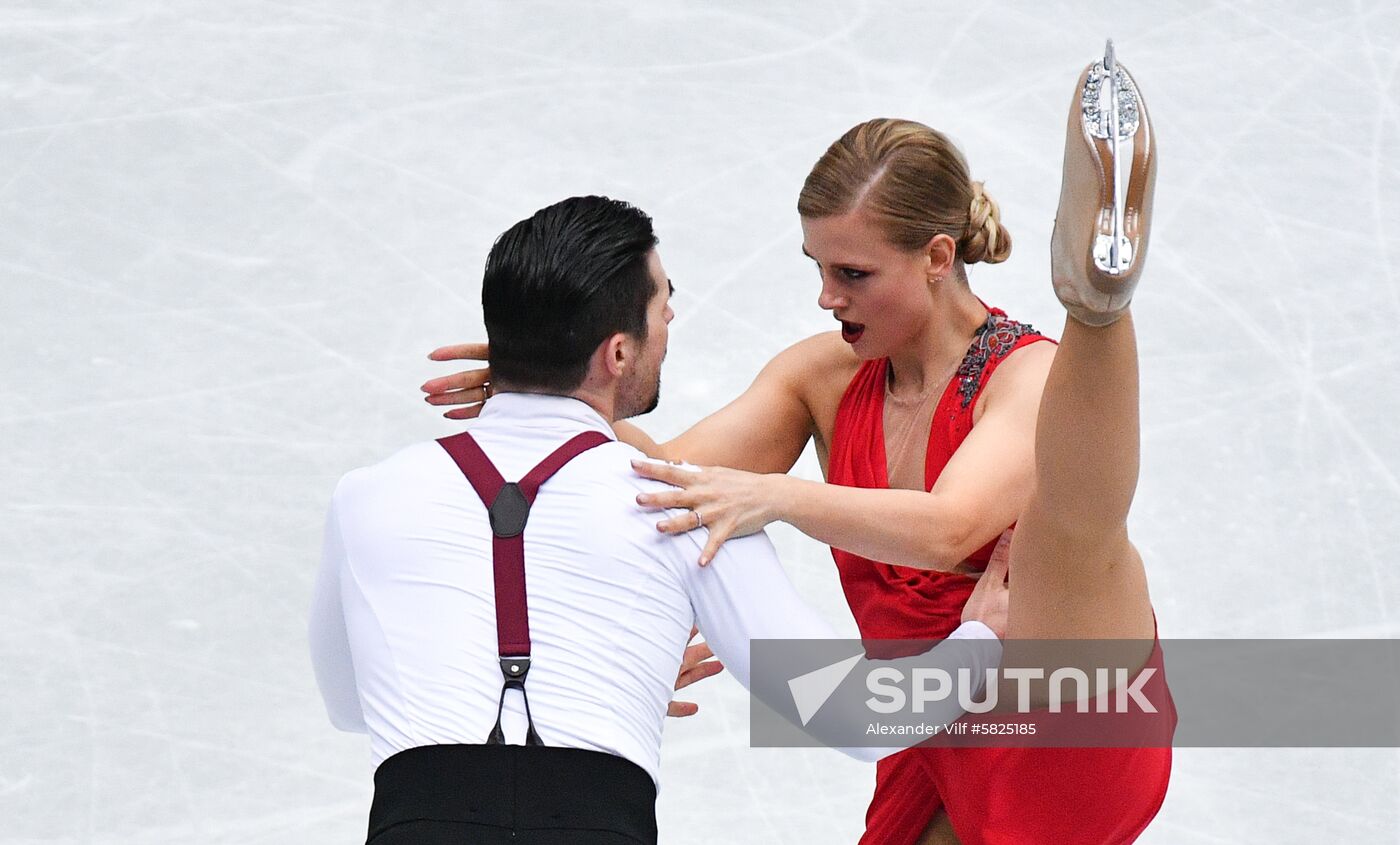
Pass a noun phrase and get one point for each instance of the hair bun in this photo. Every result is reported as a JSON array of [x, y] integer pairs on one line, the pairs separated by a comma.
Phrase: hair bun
[[986, 239]]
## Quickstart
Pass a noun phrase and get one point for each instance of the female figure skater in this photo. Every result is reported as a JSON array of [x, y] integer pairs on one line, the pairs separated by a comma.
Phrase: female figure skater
[[938, 422]]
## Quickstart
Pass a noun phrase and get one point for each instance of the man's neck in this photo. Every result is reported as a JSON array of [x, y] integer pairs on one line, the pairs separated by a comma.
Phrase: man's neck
[[604, 405]]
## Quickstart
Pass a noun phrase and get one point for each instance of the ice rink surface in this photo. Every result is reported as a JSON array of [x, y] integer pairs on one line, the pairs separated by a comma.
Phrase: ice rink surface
[[230, 232]]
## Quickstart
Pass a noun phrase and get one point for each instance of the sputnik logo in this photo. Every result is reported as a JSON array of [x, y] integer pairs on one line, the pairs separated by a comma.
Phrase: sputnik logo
[[811, 691]]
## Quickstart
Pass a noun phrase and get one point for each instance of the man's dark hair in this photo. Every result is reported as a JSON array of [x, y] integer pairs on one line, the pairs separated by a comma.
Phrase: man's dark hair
[[560, 283]]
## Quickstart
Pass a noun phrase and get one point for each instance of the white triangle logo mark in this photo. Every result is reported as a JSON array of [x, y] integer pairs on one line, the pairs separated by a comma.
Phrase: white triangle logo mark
[[810, 691]]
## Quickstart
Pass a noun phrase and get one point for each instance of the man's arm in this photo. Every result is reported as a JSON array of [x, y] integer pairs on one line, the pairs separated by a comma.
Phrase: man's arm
[[330, 644], [745, 595]]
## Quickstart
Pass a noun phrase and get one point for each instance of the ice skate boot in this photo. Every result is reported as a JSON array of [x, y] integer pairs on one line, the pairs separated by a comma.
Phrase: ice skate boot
[[1100, 239]]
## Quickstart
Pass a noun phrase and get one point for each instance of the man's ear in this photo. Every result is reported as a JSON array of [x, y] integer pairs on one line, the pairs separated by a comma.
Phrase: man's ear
[[617, 354]]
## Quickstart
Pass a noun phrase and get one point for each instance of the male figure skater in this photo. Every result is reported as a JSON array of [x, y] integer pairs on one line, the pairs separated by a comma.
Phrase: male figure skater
[[423, 631]]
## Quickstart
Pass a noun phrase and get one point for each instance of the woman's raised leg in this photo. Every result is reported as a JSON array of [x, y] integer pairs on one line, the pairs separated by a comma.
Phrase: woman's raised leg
[[1074, 573]]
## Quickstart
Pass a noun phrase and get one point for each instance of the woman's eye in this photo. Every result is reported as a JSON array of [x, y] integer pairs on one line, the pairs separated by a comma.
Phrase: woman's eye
[[853, 274]]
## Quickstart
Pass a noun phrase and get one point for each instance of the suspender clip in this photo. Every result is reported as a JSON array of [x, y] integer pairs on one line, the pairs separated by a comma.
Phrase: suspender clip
[[514, 669]]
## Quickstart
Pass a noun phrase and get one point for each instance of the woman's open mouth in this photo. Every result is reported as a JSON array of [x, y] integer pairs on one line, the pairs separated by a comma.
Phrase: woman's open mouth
[[851, 332]]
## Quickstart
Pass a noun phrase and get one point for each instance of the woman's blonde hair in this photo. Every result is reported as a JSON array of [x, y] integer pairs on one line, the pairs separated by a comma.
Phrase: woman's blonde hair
[[914, 183]]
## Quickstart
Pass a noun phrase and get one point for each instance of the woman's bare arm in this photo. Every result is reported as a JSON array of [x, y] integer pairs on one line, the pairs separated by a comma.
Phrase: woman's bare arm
[[764, 430], [982, 490]]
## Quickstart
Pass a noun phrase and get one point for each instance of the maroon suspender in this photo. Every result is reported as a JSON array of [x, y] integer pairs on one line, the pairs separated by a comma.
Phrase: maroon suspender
[[508, 505]]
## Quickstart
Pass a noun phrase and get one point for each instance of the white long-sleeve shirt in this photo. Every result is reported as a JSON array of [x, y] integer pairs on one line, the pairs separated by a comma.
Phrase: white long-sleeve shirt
[[403, 618]]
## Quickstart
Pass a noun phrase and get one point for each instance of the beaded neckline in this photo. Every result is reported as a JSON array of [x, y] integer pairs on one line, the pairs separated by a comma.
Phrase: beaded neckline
[[996, 337]]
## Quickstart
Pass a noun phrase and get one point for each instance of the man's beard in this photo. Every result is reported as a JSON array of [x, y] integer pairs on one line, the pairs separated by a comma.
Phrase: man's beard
[[637, 401], [655, 396]]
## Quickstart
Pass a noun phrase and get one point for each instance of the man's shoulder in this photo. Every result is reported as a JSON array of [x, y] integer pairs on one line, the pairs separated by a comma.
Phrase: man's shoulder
[[607, 464], [413, 458], [393, 478]]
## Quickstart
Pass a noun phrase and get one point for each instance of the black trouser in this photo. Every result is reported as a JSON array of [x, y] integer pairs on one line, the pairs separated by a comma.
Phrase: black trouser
[[523, 795]]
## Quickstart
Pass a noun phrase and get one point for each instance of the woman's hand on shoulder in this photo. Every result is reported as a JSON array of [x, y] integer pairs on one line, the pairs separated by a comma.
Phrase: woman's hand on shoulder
[[728, 502]]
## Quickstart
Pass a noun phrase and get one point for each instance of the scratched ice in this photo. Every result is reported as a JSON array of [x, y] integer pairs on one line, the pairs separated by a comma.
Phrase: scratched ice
[[232, 231]]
